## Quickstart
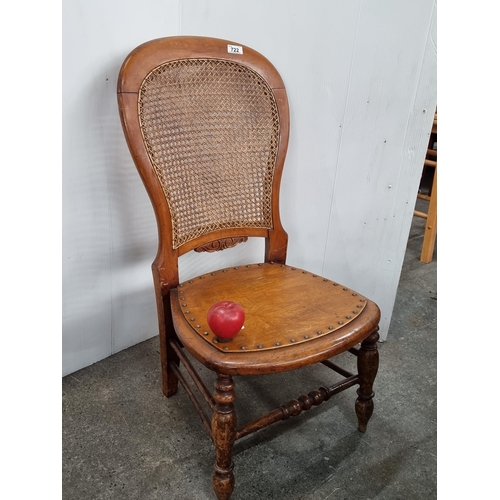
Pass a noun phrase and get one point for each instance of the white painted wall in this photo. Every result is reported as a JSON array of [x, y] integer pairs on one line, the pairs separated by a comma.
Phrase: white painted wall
[[108, 230], [361, 80]]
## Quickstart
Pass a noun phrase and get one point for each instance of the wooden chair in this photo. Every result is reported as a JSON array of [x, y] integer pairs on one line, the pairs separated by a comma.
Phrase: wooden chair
[[430, 163], [207, 125]]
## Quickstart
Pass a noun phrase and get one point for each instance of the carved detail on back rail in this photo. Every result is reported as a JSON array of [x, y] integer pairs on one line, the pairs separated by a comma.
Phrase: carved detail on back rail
[[222, 244]]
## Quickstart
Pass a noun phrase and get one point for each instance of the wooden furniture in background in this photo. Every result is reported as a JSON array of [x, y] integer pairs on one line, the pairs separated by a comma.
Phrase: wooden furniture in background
[[207, 124], [430, 163]]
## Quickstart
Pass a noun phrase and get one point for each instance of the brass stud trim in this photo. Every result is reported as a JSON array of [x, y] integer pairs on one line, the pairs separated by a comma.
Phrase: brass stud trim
[[327, 329]]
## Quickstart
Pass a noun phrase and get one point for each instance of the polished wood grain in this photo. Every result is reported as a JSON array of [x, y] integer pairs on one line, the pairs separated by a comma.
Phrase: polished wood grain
[[282, 304], [294, 318]]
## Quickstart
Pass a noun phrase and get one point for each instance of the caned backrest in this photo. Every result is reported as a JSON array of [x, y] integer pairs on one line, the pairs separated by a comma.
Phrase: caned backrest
[[207, 123]]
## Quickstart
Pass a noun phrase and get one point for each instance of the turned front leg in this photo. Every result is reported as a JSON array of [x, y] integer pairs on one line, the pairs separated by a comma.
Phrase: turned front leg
[[367, 370], [224, 434]]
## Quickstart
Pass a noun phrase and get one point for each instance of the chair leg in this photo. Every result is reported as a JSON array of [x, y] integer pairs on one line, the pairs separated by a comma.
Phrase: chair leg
[[367, 370], [170, 383], [168, 356], [224, 434], [430, 225]]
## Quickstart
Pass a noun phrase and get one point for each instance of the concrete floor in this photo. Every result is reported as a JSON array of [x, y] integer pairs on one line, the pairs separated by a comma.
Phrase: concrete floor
[[123, 440]]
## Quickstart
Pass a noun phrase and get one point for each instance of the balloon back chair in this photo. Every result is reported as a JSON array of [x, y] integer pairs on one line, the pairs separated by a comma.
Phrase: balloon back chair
[[207, 124]]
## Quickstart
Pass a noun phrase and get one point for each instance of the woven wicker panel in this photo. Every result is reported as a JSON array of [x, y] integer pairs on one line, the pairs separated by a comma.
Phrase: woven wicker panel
[[211, 128]]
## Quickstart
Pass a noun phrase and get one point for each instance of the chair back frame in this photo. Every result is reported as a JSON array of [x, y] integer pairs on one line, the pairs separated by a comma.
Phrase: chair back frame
[[135, 69]]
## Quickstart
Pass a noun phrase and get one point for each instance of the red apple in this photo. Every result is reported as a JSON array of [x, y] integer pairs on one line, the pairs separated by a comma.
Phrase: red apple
[[225, 319]]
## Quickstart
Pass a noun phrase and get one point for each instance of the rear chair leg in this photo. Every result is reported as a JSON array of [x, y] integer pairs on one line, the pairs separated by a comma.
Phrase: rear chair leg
[[170, 381], [224, 434], [168, 356], [367, 370]]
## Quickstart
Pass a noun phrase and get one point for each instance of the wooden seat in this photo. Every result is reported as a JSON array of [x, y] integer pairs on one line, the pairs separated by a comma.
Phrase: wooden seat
[[207, 124], [430, 216]]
